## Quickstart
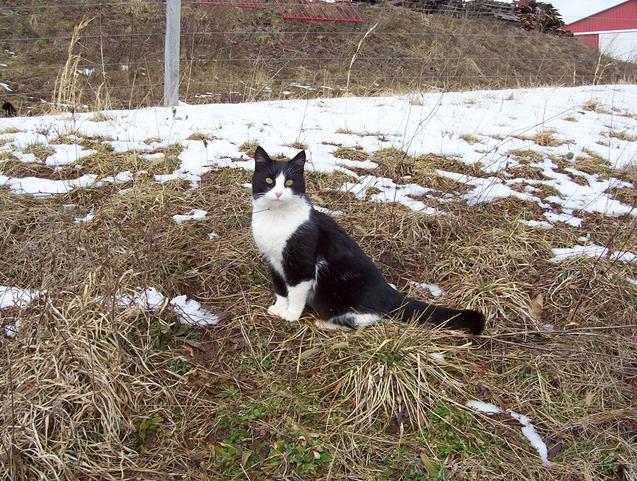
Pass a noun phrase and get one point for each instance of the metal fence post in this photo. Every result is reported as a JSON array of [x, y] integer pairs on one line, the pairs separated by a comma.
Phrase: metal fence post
[[171, 53]]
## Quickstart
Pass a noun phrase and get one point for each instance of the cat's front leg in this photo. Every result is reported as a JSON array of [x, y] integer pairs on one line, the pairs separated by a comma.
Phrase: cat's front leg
[[280, 306], [297, 297]]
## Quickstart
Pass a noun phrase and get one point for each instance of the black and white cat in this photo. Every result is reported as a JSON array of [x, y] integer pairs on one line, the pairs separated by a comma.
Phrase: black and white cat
[[314, 262]]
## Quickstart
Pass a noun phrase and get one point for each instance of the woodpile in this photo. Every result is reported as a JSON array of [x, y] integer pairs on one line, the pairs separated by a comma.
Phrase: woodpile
[[529, 14], [541, 17], [491, 8]]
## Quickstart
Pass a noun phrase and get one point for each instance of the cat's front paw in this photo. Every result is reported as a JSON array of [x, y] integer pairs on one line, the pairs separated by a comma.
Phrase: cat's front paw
[[279, 307], [290, 316], [277, 310]]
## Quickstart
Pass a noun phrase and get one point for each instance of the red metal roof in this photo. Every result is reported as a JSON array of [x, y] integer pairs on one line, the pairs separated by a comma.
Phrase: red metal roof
[[619, 17]]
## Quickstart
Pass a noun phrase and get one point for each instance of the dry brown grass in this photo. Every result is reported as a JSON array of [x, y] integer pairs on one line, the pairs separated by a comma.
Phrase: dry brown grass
[[260, 56], [470, 138], [93, 391], [393, 375], [622, 135], [547, 138], [350, 154]]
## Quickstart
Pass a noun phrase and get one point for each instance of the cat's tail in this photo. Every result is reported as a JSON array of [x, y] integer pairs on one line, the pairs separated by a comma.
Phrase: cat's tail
[[463, 319]]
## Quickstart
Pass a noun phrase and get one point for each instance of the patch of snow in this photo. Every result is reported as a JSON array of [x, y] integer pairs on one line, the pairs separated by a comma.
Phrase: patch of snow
[[528, 430], [390, 192], [435, 290], [486, 189], [632, 281], [6, 87], [194, 214], [45, 187], [623, 256], [27, 158], [86, 71], [66, 154], [87, 218], [569, 219], [563, 253], [437, 356], [155, 156], [591, 250], [302, 86], [483, 407], [191, 313], [213, 235], [435, 127], [539, 224], [120, 178], [16, 297], [10, 330], [149, 298]]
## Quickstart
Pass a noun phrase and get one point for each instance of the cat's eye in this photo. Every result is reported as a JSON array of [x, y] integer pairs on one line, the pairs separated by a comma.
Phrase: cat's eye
[[268, 180], [289, 182]]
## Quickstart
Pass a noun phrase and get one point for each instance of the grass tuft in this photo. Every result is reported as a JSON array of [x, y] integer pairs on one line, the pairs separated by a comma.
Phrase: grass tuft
[[350, 154], [392, 374], [41, 152]]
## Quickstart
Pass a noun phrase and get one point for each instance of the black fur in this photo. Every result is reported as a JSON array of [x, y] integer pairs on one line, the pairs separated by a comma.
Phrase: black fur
[[9, 110], [347, 281]]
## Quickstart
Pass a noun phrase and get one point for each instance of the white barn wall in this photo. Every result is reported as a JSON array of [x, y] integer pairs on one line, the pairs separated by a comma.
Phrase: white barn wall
[[621, 45]]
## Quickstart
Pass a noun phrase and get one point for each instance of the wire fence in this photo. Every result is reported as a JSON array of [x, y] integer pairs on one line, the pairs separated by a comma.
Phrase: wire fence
[[110, 54]]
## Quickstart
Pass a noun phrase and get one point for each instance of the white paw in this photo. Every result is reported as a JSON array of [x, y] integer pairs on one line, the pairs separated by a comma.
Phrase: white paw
[[277, 310], [290, 316], [279, 307]]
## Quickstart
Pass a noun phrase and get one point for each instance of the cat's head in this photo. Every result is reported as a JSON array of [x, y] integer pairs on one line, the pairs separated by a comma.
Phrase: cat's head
[[278, 181]]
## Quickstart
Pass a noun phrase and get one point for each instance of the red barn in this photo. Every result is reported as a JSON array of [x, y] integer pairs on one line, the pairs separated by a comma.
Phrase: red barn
[[612, 31]]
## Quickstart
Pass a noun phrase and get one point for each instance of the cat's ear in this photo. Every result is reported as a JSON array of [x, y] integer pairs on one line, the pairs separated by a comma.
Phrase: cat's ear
[[261, 157], [298, 160]]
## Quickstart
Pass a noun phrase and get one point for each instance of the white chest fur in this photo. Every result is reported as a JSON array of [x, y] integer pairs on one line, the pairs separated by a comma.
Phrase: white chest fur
[[272, 227]]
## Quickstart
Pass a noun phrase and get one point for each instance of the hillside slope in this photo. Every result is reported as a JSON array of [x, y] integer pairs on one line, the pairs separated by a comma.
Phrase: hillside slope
[[238, 55]]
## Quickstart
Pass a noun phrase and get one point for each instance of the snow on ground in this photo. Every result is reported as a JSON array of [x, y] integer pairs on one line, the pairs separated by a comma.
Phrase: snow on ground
[[435, 290], [482, 129], [592, 250], [528, 430], [499, 122], [437, 356], [67, 154], [194, 214], [191, 313], [148, 298], [87, 218], [14, 297]]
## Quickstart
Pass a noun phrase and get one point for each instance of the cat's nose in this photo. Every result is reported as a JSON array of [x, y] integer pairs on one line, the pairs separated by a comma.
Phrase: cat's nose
[[278, 194]]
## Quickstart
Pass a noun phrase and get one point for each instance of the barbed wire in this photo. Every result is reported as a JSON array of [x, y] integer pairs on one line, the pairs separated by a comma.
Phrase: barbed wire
[[262, 6]]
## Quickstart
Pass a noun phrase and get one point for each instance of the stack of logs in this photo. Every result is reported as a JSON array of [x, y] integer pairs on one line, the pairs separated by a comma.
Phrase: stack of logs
[[541, 17], [529, 14]]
